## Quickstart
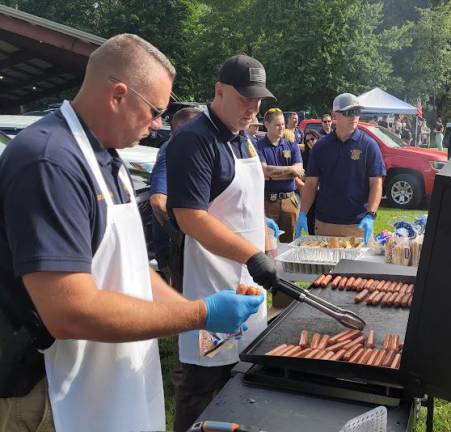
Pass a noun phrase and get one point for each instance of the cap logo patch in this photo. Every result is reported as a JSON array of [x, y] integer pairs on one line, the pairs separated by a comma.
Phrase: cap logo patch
[[257, 75]]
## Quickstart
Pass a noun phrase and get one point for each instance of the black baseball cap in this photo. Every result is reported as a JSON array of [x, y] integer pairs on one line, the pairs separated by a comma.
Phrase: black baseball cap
[[247, 75]]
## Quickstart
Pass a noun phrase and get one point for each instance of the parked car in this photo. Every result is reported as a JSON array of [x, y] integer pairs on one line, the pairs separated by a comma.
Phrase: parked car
[[4, 140], [410, 170]]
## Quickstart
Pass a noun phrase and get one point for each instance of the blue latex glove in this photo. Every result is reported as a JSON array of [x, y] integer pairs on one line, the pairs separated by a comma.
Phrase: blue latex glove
[[367, 225], [227, 311], [301, 224], [271, 223]]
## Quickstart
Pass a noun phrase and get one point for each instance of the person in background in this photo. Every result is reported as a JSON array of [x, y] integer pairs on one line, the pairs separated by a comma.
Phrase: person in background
[[326, 125], [292, 133], [216, 197], [282, 164], [253, 130], [73, 261], [311, 136], [425, 134], [438, 130], [345, 170], [167, 241], [397, 126]]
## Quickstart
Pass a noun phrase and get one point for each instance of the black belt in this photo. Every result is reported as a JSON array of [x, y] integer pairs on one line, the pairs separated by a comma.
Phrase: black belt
[[278, 195]]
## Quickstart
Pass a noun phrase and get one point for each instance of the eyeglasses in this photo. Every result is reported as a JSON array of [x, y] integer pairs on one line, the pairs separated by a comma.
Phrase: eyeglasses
[[156, 112], [274, 110], [351, 112]]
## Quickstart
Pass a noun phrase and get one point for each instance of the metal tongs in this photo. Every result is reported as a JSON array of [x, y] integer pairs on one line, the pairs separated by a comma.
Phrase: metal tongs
[[345, 317]]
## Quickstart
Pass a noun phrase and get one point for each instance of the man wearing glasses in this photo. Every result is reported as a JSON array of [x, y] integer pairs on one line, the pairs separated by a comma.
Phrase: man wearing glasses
[[326, 124], [345, 170], [74, 272], [216, 194]]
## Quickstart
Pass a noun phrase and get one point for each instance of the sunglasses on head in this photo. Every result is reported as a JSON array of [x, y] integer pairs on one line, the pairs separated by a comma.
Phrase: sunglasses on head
[[274, 110], [351, 112]]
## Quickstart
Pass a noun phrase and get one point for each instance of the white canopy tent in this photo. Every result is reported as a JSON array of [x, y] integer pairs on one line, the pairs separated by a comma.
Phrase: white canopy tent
[[378, 101]]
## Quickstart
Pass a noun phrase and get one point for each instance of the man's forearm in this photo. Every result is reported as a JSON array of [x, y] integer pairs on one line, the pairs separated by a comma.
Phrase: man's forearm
[[158, 204], [375, 194], [213, 235], [278, 172], [72, 307], [309, 191]]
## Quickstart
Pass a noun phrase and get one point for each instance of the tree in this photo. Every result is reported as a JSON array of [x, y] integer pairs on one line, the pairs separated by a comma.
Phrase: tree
[[431, 63]]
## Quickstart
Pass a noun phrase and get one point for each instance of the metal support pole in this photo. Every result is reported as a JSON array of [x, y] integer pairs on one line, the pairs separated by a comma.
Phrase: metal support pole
[[430, 414]]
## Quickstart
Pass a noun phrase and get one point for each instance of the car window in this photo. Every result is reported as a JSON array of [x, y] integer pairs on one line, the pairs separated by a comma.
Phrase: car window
[[388, 137], [315, 126]]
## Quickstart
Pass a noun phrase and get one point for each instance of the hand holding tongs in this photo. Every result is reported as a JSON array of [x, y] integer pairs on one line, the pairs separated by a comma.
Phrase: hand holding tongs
[[345, 317]]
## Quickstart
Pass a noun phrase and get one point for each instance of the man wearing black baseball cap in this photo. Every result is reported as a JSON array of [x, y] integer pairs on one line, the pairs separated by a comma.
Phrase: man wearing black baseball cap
[[216, 196]]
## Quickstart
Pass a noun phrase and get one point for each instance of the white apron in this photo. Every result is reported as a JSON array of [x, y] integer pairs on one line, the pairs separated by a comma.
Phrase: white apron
[[241, 208], [101, 387]]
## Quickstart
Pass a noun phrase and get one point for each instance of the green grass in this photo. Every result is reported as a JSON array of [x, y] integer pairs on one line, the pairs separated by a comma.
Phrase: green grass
[[385, 219]]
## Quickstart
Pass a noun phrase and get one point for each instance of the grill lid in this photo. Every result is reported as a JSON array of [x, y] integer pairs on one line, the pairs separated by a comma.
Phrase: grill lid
[[427, 349]]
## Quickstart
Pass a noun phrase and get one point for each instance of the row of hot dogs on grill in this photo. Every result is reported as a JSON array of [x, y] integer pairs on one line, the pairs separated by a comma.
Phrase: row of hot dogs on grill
[[348, 346], [372, 291]]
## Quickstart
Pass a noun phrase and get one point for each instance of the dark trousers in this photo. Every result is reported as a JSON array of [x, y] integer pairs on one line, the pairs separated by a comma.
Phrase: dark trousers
[[175, 259], [195, 388]]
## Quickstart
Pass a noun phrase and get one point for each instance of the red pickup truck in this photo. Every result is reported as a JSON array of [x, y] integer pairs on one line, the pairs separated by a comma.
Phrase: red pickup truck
[[410, 170]]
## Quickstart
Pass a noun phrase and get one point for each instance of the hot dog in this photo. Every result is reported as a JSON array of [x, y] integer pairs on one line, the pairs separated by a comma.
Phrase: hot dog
[[386, 298], [326, 281], [405, 300], [323, 341], [242, 289], [409, 303], [392, 298], [398, 299], [388, 359], [338, 355], [370, 339], [335, 338], [315, 340], [303, 339], [350, 352], [396, 361], [311, 354], [394, 342], [369, 284], [338, 346], [350, 283], [304, 352], [361, 285], [352, 334], [328, 355], [377, 299], [320, 354], [275, 351], [342, 284], [372, 359], [398, 286], [380, 285], [356, 357], [335, 282], [361, 296], [295, 349], [357, 283], [379, 358], [392, 286], [357, 341], [409, 289], [371, 297], [386, 343], [318, 280], [366, 356]]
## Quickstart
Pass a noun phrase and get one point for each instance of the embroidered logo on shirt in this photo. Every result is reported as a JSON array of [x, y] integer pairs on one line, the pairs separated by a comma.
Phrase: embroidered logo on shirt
[[355, 154], [286, 154], [251, 149]]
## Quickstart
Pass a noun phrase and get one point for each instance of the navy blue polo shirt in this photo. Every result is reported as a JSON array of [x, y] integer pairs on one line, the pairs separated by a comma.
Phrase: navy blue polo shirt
[[52, 213], [285, 153], [344, 169], [159, 185], [200, 163]]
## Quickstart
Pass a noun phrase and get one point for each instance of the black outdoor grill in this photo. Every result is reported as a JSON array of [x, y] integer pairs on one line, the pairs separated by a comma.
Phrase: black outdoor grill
[[384, 386], [286, 393]]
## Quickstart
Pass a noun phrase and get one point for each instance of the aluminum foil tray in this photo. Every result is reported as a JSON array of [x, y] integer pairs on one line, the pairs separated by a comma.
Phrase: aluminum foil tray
[[324, 255], [292, 264]]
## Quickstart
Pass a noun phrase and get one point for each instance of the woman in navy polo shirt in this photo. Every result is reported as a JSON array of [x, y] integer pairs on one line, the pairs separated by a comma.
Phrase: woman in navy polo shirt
[[282, 165], [348, 168]]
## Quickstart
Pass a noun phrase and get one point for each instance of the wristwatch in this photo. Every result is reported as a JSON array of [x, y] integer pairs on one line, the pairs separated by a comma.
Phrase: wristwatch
[[372, 214]]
